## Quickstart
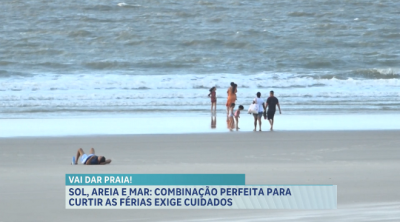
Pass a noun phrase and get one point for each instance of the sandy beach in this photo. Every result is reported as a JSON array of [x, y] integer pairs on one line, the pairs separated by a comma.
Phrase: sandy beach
[[364, 165]]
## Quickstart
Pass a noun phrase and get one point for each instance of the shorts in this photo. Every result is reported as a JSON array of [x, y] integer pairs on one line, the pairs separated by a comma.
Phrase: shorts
[[270, 114], [85, 157], [259, 115]]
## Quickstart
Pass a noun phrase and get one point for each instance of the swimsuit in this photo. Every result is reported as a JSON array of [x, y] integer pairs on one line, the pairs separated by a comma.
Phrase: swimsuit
[[213, 97], [237, 113], [231, 97]]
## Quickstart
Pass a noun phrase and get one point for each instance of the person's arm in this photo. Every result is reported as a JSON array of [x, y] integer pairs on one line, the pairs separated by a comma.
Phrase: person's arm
[[107, 162], [265, 109], [279, 108], [89, 160]]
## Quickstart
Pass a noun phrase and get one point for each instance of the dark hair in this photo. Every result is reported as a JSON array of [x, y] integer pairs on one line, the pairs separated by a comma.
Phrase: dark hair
[[258, 94], [272, 92], [232, 83], [234, 88], [102, 159], [232, 104], [212, 88], [241, 107]]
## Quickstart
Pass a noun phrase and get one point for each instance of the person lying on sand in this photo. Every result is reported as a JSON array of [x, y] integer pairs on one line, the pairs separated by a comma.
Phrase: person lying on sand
[[90, 159]]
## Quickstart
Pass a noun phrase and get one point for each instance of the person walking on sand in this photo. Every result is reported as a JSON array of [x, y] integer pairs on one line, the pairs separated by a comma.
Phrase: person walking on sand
[[231, 96], [213, 96], [261, 107], [90, 159], [272, 102]]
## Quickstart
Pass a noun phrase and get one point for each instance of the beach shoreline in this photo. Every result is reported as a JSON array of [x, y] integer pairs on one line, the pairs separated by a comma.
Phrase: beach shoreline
[[190, 124]]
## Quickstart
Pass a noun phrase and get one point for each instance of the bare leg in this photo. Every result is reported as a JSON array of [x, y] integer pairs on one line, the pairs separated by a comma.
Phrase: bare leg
[[272, 124], [215, 106], [255, 123], [259, 122], [91, 150], [78, 154], [214, 122], [232, 123], [237, 123]]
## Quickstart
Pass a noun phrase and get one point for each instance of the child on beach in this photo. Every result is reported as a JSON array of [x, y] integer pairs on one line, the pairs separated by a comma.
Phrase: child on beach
[[231, 121], [213, 97], [237, 116]]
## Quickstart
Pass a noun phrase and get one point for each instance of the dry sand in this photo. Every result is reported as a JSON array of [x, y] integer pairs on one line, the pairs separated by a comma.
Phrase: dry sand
[[364, 164]]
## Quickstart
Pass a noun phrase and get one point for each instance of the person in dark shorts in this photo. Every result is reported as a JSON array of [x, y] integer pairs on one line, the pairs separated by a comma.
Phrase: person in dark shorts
[[89, 159], [272, 102]]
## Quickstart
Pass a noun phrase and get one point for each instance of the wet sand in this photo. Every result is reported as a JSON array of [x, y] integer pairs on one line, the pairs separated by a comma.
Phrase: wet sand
[[152, 123], [364, 164]]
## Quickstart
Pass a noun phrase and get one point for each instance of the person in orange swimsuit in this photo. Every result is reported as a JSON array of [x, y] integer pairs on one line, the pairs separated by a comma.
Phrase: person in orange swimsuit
[[231, 96], [227, 101]]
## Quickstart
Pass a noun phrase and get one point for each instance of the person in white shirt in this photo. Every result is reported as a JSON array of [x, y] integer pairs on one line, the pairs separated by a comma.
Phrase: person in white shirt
[[261, 107]]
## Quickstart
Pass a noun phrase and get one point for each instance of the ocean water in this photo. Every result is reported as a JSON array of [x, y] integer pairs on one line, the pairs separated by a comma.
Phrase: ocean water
[[107, 57]]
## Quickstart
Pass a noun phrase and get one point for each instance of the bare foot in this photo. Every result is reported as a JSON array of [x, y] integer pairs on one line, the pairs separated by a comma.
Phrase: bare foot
[[254, 130], [260, 130]]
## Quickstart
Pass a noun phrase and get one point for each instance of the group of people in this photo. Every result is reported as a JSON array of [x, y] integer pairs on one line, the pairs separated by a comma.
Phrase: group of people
[[266, 108]]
